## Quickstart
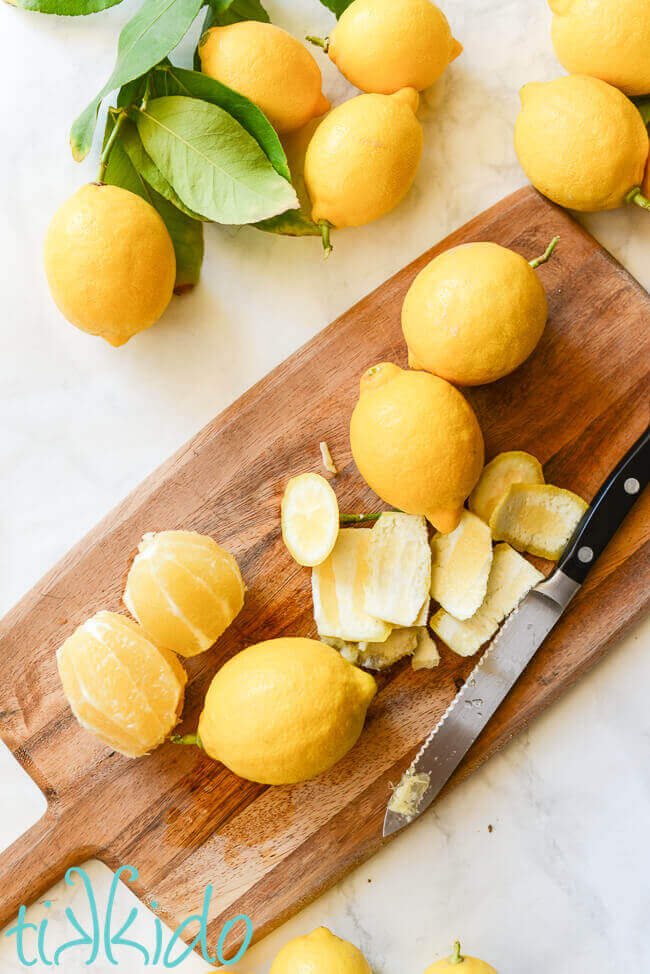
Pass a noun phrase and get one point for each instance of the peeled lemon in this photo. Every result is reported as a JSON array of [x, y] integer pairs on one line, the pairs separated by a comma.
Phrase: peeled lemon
[[110, 262], [384, 45], [310, 519], [416, 442], [461, 566], [581, 142], [537, 518], [606, 39], [363, 158], [474, 314], [511, 467], [320, 952], [121, 687], [284, 710], [269, 66], [184, 589], [460, 964]]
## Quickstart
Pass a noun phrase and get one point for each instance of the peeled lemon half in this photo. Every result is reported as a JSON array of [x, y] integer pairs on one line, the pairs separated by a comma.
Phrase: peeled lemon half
[[537, 518], [121, 687], [184, 589], [310, 519]]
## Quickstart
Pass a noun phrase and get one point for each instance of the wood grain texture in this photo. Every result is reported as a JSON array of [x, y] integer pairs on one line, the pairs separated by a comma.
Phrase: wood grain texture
[[578, 403]]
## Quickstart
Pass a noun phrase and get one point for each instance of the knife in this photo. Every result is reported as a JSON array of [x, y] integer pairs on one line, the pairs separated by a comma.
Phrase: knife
[[523, 633]]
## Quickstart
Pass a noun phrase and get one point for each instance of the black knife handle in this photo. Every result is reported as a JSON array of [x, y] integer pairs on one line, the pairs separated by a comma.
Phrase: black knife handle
[[607, 510]]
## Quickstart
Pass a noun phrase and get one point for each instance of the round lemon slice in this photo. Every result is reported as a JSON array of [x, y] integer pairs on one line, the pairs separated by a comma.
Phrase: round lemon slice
[[310, 519]]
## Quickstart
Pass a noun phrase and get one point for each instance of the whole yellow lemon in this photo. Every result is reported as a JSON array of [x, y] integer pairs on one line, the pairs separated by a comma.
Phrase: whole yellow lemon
[[284, 710], [270, 67], [460, 964], [110, 262], [417, 443], [184, 589], [581, 142], [320, 952], [473, 314], [121, 687], [385, 45], [363, 157], [606, 39]]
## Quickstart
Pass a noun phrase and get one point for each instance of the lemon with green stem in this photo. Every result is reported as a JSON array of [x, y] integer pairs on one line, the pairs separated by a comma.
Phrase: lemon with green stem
[[460, 964], [283, 711], [385, 45], [362, 159], [582, 143], [475, 313]]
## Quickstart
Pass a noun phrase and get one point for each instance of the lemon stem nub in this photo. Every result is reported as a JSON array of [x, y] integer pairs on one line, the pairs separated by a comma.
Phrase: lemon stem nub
[[456, 957], [190, 740], [636, 196], [545, 256], [323, 42], [325, 228]]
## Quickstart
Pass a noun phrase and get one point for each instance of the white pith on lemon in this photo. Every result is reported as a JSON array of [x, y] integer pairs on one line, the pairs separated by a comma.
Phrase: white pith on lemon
[[399, 568], [426, 655], [408, 794], [511, 577], [338, 590], [511, 467], [310, 519], [537, 518], [461, 566]]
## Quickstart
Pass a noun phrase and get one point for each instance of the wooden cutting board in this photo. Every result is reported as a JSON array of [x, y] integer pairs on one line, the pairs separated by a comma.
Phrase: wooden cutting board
[[183, 820]]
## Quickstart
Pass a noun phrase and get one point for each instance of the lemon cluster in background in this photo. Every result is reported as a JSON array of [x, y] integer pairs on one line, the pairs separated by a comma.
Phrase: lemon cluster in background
[[580, 139]]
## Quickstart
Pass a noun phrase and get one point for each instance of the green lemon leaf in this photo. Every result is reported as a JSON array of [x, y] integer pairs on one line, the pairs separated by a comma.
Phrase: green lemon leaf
[[66, 8], [169, 80], [294, 223], [643, 104], [186, 234], [215, 166], [337, 6], [224, 12], [145, 40], [144, 164]]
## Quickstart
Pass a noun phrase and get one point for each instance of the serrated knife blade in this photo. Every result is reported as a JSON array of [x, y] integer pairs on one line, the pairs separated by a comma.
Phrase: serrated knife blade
[[524, 631], [501, 665]]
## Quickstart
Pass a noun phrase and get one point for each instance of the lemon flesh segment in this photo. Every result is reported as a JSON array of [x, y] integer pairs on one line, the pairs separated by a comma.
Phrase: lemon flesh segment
[[320, 952], [284, 710], [338, 589], [511, 467], [399, 568], [511, 577], [537, 518], [310, 519], [184, 589], [461, 566], [427, 654], [121, 687]]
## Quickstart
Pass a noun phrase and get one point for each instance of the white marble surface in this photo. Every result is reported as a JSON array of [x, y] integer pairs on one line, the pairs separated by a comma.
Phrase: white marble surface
[[561, 883]]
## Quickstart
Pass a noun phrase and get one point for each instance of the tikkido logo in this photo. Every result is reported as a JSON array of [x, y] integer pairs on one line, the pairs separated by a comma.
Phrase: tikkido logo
[[99, 936]]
